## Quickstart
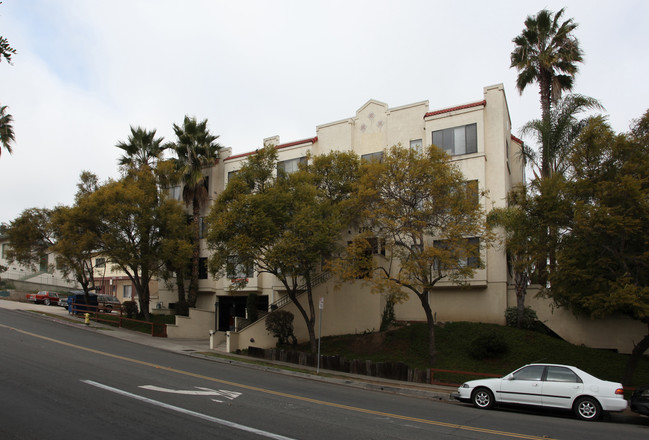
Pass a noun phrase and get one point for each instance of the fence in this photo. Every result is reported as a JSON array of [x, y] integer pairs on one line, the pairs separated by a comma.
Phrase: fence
[[156, 329]]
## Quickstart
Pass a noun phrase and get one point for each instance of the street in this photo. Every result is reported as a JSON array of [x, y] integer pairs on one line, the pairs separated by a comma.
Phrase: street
[[63, 381]]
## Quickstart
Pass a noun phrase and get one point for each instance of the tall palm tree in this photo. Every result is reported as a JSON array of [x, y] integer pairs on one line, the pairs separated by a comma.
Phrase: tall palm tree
[[7, 136], [196, 149], [141, 149], [546, 52]]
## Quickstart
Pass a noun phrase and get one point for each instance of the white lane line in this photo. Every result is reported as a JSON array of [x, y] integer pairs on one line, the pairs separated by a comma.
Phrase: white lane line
[[188, 412]]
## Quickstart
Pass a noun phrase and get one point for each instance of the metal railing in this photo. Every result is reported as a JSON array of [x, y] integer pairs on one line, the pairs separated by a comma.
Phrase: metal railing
[[315, 281]]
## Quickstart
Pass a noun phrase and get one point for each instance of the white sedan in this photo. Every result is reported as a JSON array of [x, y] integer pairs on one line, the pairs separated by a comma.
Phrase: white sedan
[[547, 385]]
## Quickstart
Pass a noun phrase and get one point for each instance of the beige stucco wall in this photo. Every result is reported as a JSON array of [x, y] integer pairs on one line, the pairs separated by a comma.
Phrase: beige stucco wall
[[617, 332]]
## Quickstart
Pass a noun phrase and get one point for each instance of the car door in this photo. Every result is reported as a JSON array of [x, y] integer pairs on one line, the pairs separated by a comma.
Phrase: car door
[[523, 386], [560, 387]]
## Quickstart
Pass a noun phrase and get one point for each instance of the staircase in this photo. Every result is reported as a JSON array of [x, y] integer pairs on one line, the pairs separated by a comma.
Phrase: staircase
[[320, 278]]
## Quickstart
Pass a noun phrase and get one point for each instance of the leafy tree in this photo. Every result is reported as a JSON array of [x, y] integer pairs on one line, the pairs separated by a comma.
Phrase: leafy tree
[[7, 136], [196, 149], [603, 253], [520, 236], [283, 225], [546, 52], [67, 232], [137, 228], [427, 218], [142, 149]]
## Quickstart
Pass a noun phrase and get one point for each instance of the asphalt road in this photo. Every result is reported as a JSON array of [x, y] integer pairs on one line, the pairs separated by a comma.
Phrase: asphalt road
[[61, 381]]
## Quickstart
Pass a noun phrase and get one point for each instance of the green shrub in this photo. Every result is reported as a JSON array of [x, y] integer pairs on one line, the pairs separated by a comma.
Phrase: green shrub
[[488, 346], [530, 319], [388, 315], [130, 308], [280, 324]]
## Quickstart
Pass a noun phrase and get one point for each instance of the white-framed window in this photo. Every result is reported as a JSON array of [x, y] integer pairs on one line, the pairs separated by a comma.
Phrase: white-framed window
[[291, 165], [100, 262], [128, 291], [5, 248], [457, 140], [417, 145]]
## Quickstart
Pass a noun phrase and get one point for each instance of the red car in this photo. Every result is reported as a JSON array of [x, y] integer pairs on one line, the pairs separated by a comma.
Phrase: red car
[[44, 297]]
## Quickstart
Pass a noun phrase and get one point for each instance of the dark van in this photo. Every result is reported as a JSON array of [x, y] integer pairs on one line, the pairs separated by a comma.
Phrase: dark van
[[77, 303]]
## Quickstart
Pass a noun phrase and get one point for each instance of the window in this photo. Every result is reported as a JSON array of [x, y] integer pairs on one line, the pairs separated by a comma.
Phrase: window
[[236, 269], [457, 140], [377, 245], [472, 190], [175, 192], [416, 145], [291, 165], [5, 248], [231, 174], [533, 372], [202, 227], [561, 374], [100, 262], [471, 251], [202, 268], [43, 263], [378, 156], [128, 291]]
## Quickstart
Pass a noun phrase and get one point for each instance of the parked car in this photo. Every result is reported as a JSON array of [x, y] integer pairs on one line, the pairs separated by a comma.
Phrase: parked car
[[44, 297], [640, 400], [549, 386], [63, 302], [77, 302], [108, 303]]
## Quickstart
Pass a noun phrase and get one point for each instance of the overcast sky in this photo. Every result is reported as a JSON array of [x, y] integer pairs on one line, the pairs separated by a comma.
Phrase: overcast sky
[[88, 69]]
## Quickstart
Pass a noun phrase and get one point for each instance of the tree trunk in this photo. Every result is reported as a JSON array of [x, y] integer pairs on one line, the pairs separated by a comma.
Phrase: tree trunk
[[193, 282], [632, 363], [432, 348], [308, 320], [521, 291]]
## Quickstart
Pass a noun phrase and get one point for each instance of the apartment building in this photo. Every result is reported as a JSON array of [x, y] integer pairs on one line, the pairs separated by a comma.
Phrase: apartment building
[[478, 138]]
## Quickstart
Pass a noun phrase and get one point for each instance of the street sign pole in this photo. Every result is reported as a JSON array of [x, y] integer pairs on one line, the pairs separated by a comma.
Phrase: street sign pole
[[320, 306]]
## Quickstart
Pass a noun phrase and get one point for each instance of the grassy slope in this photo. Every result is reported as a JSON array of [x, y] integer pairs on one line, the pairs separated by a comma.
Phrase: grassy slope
[[408, 344]]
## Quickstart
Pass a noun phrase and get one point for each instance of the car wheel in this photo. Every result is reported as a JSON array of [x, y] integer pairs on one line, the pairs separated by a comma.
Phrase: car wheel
[[588, 408], [108, 309], [46, 302], [482, 398]]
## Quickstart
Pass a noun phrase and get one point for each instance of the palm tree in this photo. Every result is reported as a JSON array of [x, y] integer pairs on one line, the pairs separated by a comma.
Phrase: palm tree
[[546, 52], [141, 149], [6, 51], [558, 133], [7, 136], [196, 149]]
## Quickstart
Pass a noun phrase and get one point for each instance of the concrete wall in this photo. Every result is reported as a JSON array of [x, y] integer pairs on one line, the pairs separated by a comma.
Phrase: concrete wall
[[617, 332]]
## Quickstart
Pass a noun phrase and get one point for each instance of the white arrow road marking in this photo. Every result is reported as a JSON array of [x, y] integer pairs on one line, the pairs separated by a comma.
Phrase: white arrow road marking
[[231, 395], [188, 412]]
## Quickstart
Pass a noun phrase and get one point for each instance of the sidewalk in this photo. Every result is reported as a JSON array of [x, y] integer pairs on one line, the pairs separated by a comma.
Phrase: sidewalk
[[200, 348]]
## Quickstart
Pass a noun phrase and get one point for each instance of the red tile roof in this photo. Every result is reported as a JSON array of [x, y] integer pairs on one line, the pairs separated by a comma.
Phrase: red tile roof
[[459, 107], [312, 140], [517, 139]]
